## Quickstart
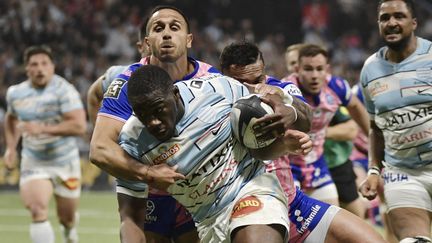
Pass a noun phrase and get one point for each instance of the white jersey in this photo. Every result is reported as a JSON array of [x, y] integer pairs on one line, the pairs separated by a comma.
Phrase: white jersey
[[47, 106], [216, 166], [398, 97]]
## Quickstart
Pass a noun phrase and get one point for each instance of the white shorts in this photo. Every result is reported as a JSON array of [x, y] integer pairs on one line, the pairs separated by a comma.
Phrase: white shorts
[[326, 192], [66, 179], [254, 204], [408, 187], [138, 193], [319, 234]]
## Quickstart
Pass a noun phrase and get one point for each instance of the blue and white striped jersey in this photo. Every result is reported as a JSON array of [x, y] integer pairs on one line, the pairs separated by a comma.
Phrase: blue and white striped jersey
[[398, 97], [46, 106], [216, 166]]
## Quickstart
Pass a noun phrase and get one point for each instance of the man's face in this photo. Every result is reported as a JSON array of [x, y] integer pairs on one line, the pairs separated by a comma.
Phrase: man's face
[[291, 61], [252, 73], [40, 69], [159, 112], [396, 24], [168, 38], [312, 72]]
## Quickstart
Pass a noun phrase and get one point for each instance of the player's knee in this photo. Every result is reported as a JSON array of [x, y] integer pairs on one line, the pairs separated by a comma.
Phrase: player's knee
[[38, 211], [417, 239]]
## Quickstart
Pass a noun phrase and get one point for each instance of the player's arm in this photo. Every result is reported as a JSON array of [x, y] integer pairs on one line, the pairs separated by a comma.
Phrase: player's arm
[[358, 113], [94, 99], [369, 187], [302, 109], [73, 124], [376, 145], [345, 131], [12, 136], [107, 154]]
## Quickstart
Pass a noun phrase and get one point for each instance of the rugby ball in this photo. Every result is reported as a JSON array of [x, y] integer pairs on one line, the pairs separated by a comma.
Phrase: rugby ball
[[244, 114]]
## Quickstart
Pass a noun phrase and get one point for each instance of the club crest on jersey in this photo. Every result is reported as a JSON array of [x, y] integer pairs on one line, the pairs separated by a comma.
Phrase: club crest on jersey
[[377, 88], [114, 89], [246, 206], [166, 153]]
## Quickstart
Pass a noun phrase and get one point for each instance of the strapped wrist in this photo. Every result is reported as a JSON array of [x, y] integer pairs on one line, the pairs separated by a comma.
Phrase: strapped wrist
[[294, 109], [374, 170]]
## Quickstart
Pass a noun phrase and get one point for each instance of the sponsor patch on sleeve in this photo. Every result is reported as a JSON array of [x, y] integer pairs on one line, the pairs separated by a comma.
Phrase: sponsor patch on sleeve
[[292, 89], [114, 88]]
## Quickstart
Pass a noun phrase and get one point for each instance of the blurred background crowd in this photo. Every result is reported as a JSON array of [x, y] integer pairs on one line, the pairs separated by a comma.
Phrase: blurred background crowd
[[88, 36]]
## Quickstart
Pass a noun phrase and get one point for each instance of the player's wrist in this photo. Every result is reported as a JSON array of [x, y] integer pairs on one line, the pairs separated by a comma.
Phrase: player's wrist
[[374, 170]]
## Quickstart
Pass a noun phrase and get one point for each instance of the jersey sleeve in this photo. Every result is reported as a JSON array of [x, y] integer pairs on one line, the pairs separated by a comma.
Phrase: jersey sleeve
[[9, 100], [288, 87], [370, 107], [115, 103], [342, 89]]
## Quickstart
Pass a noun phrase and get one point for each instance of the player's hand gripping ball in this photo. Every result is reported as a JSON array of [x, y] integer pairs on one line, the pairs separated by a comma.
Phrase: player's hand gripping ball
[[244, 114]]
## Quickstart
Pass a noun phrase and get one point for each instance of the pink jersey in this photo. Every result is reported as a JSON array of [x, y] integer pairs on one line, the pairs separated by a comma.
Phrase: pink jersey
[[335, 92]]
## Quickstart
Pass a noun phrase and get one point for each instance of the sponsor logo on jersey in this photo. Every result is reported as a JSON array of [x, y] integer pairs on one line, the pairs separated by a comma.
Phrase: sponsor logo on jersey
[[246, 206], [292, 89], [377, 88], [407, 117], [414, 137], [424, 73], [166, 153], [114, 89]]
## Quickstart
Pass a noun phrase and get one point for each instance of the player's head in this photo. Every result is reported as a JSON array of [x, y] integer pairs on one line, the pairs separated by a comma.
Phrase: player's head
[[39, 65], [243, 61], [397, 22], [291, 57], [142, 47], [312, 68], [168, 33], [155, 101]]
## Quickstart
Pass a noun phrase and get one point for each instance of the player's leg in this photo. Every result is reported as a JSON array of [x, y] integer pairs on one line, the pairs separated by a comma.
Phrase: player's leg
[[35, 194], [259, 233], [184, 230], [258, 214], [35, 191], [407, 194], [67, 190], [160, 220], [345, 181], [346, 227], [132, 212]]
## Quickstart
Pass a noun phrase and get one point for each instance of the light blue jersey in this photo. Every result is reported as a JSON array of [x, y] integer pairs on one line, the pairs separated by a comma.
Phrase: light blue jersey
[[216, 166], [110, 74], [398, 97], [46, 105]]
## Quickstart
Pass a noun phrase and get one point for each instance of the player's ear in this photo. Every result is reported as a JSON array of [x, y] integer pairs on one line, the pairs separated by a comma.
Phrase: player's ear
[[189, 39]]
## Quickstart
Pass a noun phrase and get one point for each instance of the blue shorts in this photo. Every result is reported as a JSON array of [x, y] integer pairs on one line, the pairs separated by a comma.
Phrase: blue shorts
[[312, 176], [304, 213], [167, 217]]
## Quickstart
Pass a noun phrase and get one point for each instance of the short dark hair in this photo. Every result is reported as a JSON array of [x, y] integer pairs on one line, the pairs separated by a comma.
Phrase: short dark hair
[[146, 80], [160, 7], [409, 3], [311, 50], [37, 49], [240, 53]]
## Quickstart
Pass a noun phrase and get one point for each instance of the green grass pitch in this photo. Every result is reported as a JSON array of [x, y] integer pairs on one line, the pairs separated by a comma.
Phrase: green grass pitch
[[99, 221]]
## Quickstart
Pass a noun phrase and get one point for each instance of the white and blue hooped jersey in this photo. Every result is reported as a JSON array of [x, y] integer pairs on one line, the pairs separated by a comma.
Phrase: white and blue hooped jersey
[[398, 97], [216, 166], [45, 105]]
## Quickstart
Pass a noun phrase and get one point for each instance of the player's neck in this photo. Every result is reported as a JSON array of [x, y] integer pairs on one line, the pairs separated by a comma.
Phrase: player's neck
[[397, 56], [177, 70]]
